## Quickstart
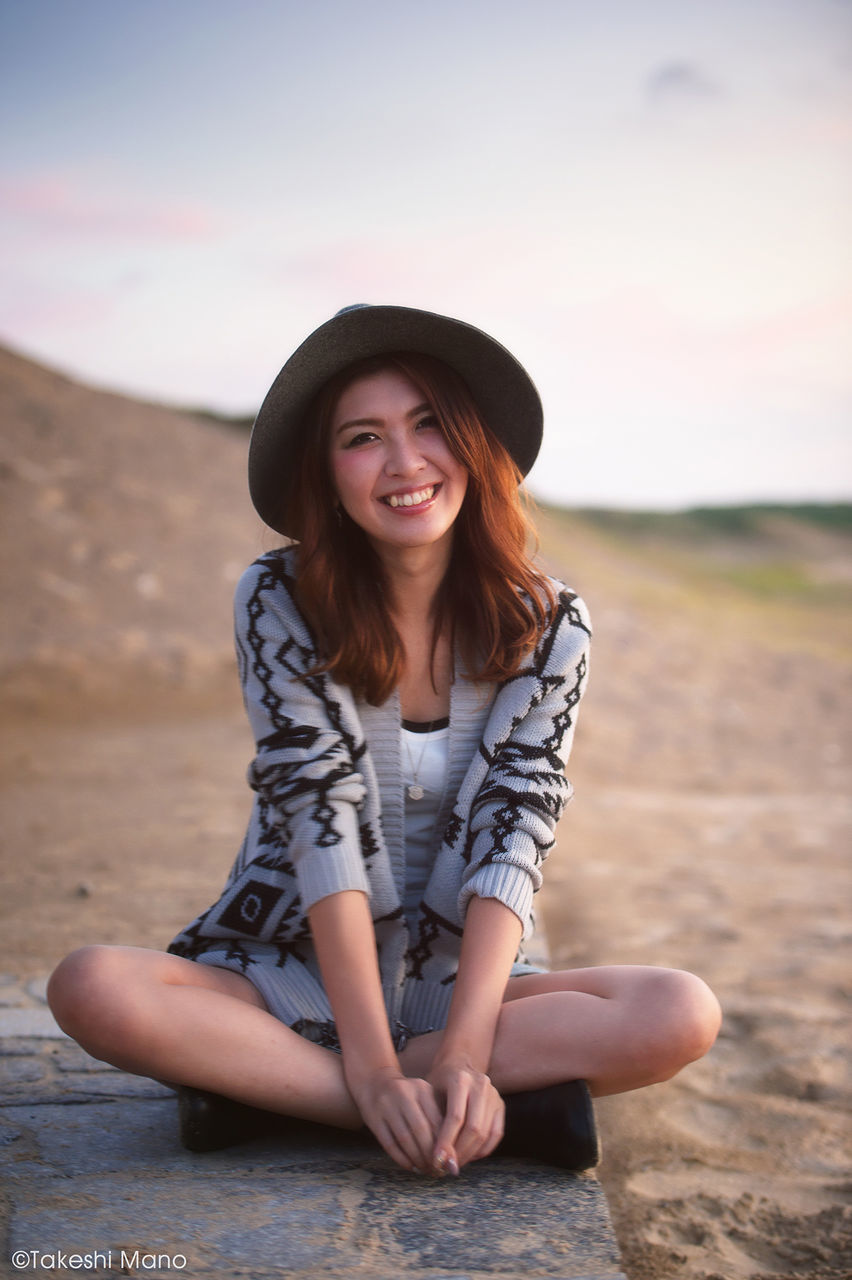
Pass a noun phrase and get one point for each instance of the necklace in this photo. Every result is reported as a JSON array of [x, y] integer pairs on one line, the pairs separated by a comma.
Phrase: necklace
[[415, 789]]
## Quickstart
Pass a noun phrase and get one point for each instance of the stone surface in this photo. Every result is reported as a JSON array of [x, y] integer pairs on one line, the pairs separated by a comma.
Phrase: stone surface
[[97, 1184], [28, 1022]]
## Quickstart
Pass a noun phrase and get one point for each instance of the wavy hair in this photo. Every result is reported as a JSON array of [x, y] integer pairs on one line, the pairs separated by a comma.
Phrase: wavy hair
[[492, 601]]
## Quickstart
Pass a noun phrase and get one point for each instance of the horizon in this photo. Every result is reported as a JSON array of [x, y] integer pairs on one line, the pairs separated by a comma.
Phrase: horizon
[[243, 423], [648, 206]]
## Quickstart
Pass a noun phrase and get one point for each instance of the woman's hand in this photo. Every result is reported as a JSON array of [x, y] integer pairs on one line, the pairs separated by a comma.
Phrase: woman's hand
[[403, 1114], [474, 1115]]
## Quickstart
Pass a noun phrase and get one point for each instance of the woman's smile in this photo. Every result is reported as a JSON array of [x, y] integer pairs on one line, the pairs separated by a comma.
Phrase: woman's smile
[[419, 498]]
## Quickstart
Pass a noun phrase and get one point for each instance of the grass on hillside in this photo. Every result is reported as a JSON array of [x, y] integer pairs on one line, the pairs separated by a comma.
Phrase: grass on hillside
[[798, 553], [699, 524], [781, 574]]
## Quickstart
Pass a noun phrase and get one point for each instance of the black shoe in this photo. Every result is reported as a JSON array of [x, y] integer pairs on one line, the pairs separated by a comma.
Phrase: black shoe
[[209, 1122], [555, 1125]]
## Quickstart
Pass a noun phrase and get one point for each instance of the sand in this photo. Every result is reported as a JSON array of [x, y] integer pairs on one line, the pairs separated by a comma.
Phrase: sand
[[710, 827]]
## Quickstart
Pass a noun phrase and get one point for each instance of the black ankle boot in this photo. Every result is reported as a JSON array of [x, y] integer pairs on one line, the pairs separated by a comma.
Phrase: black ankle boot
[[555, 1125], [209, 1122]]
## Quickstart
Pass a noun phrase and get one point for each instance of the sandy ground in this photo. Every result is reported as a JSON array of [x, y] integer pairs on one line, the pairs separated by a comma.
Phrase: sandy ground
[[709, 833], [710, 829]]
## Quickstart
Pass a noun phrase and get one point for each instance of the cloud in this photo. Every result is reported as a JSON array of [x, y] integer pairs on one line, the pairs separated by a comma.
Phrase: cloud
[[680, 81], [60, 204]]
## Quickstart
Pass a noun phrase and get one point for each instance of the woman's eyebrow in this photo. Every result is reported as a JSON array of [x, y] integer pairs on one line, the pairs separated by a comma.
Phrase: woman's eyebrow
[[377, 422]]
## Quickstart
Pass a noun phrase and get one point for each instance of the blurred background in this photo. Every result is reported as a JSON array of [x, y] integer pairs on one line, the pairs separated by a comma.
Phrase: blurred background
[[649, 203]]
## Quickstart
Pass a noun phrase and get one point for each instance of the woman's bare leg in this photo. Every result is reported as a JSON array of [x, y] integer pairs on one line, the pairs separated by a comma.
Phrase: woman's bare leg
[[159, 1015], [617, 1027], [154, 1014]]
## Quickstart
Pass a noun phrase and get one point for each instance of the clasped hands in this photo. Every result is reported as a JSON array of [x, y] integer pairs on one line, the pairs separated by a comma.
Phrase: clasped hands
[[434, 1125]]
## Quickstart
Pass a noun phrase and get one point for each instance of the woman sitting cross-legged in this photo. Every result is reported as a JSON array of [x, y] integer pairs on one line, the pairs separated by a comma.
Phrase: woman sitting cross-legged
[[413, 682]]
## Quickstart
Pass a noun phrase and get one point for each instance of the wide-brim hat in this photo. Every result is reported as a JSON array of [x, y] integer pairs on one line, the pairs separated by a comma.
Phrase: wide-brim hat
[[501, 388]]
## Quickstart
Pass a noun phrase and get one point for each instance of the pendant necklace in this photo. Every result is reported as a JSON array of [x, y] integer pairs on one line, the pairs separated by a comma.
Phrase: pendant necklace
[[415, 789]]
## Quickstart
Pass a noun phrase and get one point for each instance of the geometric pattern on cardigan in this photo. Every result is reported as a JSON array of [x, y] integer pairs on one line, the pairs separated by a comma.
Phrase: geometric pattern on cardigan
[[325, 796], [430, 926]]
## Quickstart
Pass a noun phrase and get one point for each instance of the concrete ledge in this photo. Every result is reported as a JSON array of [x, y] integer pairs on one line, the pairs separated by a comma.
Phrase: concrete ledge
[[109, 1177], [39, 1023], [93, 1167]]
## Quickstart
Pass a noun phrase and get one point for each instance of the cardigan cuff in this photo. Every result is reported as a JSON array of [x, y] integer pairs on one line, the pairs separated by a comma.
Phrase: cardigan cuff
[[330, 871], [510, 884], [322, 869]]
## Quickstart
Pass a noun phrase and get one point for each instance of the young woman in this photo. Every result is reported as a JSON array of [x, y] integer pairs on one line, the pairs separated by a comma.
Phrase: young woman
[[412, 682]]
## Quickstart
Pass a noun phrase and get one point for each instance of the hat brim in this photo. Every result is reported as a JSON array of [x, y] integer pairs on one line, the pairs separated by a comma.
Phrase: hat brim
[[502, 389]]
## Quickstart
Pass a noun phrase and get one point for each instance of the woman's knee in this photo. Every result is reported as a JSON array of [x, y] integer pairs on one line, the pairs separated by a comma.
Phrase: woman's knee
[[87, 993], [69, 986], [683, 1019]]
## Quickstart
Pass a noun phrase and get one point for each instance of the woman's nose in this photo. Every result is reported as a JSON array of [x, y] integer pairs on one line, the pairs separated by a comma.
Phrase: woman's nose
[[404, 457]]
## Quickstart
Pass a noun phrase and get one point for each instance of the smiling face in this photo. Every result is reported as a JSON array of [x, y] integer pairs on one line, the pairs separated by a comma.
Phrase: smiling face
[[391, 466]]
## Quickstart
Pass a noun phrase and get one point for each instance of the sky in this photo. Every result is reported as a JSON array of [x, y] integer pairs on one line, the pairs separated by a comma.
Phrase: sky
[[648, 201]]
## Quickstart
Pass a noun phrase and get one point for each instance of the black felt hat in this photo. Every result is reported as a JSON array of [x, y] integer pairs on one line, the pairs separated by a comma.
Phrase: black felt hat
[[501, 388]]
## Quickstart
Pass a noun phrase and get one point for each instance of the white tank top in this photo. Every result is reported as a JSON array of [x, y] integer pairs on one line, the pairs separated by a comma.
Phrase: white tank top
[[425, 762]]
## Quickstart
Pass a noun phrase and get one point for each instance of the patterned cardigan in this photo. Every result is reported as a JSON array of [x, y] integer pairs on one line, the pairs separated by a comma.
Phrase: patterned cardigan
[[329, 812]]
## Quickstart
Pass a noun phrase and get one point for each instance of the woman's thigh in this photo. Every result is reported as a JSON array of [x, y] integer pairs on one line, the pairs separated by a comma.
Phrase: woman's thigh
[[94, 972], [608, 982], [228, 981], [648, 1001], [617, 1026]]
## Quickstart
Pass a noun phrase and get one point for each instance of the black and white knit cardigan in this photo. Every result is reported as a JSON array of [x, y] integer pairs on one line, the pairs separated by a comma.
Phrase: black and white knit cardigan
[[329, 810]]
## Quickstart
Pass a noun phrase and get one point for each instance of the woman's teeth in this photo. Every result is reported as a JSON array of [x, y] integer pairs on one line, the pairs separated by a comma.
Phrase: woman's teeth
[[411, 499]]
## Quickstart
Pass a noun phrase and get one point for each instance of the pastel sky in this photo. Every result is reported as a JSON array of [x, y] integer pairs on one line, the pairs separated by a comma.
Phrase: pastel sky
[[650, 203]]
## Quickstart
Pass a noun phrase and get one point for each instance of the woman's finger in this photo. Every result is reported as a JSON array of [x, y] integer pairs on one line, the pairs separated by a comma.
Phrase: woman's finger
[[407, 1119], [455, 1112], [498, 1125], [421, 1130], [431, 1108], [478, 1124], [406, 1136], [385, 1137]]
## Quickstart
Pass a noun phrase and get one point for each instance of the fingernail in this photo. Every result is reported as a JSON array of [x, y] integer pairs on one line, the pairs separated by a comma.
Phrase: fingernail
[[453, 1167]]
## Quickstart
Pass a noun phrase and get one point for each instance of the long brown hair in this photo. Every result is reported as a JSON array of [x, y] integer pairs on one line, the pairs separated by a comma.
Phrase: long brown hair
[[493, 601]]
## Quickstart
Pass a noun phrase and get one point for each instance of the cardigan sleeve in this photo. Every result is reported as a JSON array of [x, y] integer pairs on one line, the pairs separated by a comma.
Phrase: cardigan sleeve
[[514, 816], [306, 765]]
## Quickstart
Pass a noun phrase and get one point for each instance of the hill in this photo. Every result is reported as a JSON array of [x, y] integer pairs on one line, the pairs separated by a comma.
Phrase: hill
[[124, 526], [769, 554]]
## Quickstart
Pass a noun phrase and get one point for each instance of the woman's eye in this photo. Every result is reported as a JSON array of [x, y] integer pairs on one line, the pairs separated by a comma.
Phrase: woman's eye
[[429, 421], [363, 437]]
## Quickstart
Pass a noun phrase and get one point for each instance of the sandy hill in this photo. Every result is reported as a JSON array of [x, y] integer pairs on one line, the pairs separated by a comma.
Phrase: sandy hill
[[124, 526]]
